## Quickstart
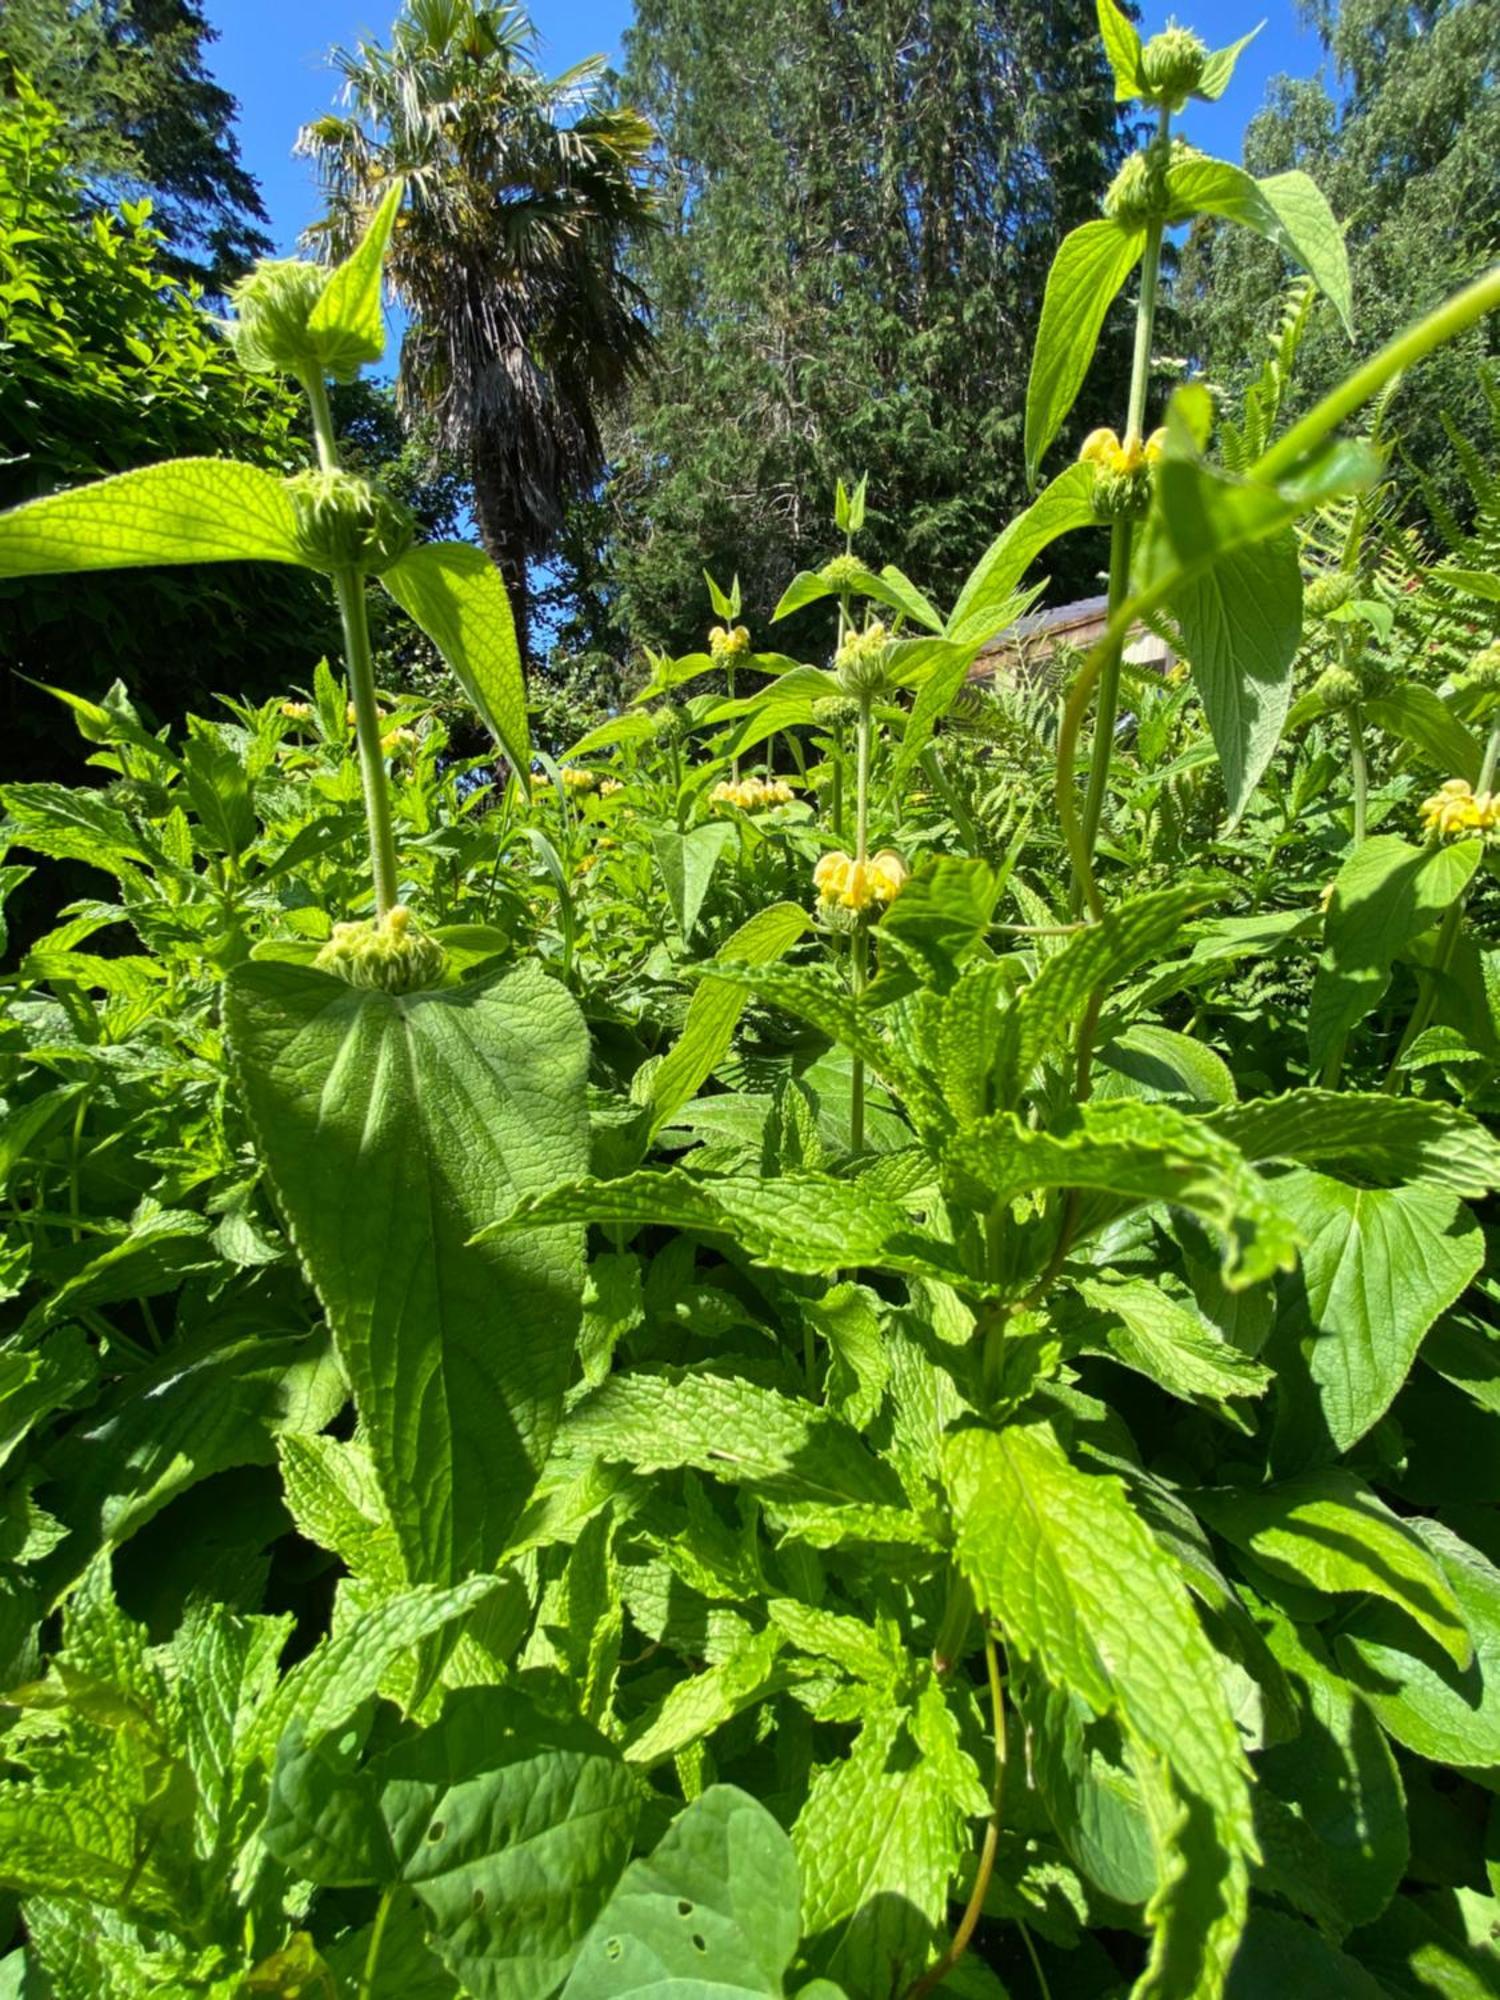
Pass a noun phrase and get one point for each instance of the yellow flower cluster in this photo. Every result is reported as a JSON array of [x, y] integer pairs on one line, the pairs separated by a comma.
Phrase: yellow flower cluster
[[1103, 449], [728, 644], [609, 786], [397, 740], [1456, 808], [574, 777], [752, 794], [846, 884], [296, 711]]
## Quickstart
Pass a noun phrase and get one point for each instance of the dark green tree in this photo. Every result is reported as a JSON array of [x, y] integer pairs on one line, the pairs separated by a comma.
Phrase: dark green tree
[[145, 117], [1403, 133], [860, 203]]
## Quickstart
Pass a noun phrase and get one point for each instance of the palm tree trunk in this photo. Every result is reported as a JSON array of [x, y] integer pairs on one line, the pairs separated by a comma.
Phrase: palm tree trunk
[[503, 539]]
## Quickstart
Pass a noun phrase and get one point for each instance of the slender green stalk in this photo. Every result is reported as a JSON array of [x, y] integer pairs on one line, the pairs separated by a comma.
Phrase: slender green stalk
[[322, 415], [1361, 770], [349, 589], [349, 586], [1107, 705], [974, 1909], [1455, 316], [861, 940], [1426, 1007], [377, 1939]]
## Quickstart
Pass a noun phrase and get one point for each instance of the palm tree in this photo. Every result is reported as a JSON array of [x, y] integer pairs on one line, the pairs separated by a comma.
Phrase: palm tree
[[525, 194]]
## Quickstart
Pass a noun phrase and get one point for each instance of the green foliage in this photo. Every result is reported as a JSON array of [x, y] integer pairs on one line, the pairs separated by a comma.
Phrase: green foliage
[[799, 1355]]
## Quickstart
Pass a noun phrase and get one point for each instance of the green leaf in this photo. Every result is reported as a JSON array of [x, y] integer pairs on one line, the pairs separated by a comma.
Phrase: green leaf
[[347, 323], [323, 1813], [778, 1447], [807, 1223], [716, 1006], [1279, 1955], [1387, 893], [712, 1913], [511, 1825], [1098, 956], [1289, 210], [1160, 1337], [455, 594], [188, 510], [935, 697], [1091, 265], [1378, 1266], [1140, 1153], [1421, 717], [987, 602], [394, 1127], [938, 920], [323, 1690], [686, 862], [1122, 45], [880, 1840], [1081, 1588], [1147, 1060], [1240, 622], [1443, 1712], [218, 1400], [1218, 70], [1327, 1530], [1341, 1776], [1384, 1138]]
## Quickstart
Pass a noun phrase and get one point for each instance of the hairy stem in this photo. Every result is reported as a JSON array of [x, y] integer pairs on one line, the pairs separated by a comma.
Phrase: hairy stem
[[1361, 770], [974, 1909], [377, 1939], [1107, 707], [858, 956], [349, 587], [1426, 1007]]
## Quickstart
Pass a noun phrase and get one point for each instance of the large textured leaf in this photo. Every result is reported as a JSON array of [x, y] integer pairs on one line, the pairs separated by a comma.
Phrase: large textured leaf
[[394, 1127], [511, 1826], [986, 603], [1279, 1955], [1378, 1265], [807, 1222], [716, 1007], [1141, 1153], [1421, 716], [1328, 1530], [1168, 1342], [1091, 265], [1080, 1586], [455, 593], [1384, 1138], [188, 510], [1122, 45], [1387, 893], [1441, 1711], [880, 1840], [1289, 210], [782, 1449], [325, 1689], [1342, 1778], [711, 1914]]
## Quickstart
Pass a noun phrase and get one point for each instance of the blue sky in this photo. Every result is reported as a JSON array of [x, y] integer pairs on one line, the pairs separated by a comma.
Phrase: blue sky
[[272, 55]]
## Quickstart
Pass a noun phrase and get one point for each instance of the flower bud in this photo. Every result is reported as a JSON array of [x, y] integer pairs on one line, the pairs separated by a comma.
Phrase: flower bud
[[862, 665], [843, 572], [343, 522], [1172, 66], [1482, 674], [835, 711], [272, 305], [1329, 592], [1338, 688], [1138, 194], [387, 952]]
